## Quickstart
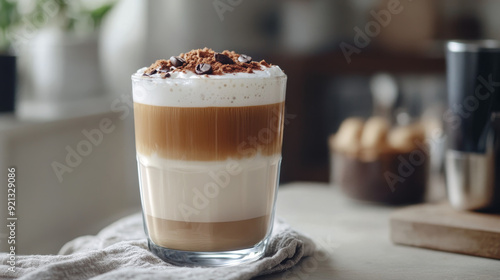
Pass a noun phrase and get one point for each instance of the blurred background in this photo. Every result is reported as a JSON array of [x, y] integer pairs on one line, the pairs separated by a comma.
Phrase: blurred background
[[66, 65]]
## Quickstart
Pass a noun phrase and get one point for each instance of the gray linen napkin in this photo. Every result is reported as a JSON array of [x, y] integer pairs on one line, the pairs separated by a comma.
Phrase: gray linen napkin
[[120, 251]]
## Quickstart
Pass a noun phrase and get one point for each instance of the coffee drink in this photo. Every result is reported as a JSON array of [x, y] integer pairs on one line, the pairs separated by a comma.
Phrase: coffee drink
[[208, 151]]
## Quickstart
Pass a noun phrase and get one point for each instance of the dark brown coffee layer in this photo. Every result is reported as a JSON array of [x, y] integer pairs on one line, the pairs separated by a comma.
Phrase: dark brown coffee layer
[[208, 133], [207, 237]]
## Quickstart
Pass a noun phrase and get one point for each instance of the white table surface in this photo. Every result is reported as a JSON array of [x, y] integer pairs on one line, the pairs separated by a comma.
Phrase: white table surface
[[354, 239]]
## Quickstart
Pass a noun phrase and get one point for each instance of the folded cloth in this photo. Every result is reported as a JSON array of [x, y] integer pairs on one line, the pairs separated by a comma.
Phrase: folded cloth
[[120, 251]]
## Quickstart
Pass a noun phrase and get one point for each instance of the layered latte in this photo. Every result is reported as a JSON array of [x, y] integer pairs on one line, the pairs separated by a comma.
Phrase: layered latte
[[208, 150]]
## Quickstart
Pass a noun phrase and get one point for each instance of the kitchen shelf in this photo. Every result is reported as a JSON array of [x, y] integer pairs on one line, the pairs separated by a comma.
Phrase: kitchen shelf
[[300, 163]]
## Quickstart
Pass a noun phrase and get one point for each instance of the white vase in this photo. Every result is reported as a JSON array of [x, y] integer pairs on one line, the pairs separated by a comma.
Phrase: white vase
[[65, 66], [123, 45]]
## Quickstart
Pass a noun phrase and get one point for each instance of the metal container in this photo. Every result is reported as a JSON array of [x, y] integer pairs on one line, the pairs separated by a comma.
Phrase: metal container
[[472, 122]]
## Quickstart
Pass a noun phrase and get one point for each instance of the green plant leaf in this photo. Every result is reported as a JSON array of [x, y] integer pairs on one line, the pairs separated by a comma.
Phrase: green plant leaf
[[99, 13]]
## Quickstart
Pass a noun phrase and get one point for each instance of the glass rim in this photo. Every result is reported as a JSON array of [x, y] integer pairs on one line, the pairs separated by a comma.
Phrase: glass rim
[[473, 45], [140, 77]]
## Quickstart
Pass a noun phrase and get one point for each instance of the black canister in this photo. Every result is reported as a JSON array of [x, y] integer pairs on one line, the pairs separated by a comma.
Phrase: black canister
[[473, 76], [7, 83]]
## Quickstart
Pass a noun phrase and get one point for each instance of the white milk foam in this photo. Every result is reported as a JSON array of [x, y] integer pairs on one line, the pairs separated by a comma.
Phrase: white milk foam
[[214, 191], [229, 90]]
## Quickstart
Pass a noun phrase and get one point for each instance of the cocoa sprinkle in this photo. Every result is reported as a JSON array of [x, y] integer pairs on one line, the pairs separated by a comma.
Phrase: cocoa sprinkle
[[207, 56]]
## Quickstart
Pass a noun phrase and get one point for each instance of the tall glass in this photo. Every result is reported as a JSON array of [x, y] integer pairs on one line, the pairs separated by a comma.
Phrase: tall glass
[[208, 154]]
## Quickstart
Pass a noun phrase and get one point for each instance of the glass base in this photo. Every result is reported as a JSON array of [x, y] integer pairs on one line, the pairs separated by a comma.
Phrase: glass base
[[213, 259]]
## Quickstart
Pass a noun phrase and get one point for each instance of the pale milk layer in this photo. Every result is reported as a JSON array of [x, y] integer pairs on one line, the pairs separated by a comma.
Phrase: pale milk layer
[[229, 90], [214, 191]]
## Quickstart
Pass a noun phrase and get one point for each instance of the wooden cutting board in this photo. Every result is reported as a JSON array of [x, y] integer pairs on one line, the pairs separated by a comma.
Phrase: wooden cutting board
[[440, 227]]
